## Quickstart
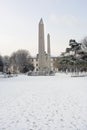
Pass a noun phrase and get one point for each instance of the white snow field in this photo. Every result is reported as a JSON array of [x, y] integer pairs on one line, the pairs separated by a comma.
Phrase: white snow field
[[43, 103]]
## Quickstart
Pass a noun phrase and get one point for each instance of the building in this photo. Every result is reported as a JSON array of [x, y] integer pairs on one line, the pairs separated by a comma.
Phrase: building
[[35, 62]]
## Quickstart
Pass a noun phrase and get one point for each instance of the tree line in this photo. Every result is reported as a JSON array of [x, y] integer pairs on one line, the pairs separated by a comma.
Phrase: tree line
[[74, 59], [19, 62]]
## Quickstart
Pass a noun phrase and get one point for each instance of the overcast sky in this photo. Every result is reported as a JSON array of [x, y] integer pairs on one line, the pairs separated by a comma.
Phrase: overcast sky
[[63, 19]]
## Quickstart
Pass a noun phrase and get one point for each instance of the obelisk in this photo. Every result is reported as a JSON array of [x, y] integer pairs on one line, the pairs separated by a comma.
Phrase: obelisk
[[48, 52], [41, 48]]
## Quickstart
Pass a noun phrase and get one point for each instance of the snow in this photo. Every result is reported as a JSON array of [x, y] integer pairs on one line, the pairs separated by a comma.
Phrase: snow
[[43, 103]]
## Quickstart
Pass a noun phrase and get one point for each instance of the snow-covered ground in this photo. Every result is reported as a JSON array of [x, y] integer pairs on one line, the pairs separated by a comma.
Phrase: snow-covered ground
[[43, 103]]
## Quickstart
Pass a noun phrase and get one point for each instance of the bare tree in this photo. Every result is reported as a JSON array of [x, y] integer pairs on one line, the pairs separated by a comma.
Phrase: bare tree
[[6, 62], [21, 60], [84, 41], [84, 44]]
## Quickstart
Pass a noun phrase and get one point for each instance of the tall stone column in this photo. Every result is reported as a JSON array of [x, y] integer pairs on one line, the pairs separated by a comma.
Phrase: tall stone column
[[49, 52], [41, 47]]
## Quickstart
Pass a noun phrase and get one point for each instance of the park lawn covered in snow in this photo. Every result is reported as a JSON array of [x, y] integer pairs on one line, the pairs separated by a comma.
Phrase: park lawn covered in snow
[[43, 103]]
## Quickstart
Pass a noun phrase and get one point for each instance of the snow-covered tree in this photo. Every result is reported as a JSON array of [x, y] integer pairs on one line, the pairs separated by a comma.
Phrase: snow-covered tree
[[21, 60]]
